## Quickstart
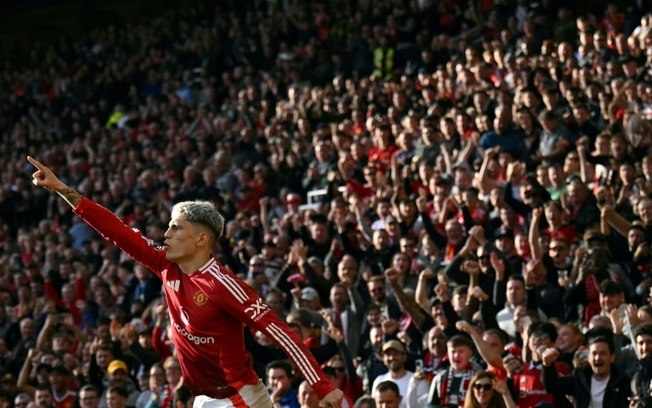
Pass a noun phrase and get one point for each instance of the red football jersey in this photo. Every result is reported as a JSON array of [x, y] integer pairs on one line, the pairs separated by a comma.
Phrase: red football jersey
[[208, 311]]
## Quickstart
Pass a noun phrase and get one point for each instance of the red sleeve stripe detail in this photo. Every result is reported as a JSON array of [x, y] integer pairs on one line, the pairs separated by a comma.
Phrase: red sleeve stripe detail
[[230, 285], [297, 355]]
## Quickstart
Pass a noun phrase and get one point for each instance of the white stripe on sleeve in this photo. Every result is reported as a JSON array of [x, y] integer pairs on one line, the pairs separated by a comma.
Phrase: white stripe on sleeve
[[229, 286], [294, 351]]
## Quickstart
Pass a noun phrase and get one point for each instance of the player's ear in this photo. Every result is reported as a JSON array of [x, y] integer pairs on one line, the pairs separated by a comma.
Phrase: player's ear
[[203, 239]]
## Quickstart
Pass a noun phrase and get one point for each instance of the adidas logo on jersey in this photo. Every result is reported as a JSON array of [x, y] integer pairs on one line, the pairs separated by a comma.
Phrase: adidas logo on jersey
[[174, 284]]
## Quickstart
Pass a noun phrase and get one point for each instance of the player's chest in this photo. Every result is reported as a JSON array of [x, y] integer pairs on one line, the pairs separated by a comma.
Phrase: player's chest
[[191, 300]]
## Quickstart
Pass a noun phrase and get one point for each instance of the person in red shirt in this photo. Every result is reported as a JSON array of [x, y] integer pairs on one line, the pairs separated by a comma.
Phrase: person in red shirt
[[527, 379], [383, 150], [208, 305]]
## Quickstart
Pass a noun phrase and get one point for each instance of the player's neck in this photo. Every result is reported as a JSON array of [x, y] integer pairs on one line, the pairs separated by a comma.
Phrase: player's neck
[[192, 265]]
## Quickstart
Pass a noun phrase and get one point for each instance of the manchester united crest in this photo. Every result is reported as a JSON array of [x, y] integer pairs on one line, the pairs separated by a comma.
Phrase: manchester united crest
[[200, 298]]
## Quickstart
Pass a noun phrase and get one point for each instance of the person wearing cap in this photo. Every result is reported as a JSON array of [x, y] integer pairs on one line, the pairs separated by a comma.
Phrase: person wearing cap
[[118, 375], [504, 241], [394, 358], [204, 299], [309, 299]]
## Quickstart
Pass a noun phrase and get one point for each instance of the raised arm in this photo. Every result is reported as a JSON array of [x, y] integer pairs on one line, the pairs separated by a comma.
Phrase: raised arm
[[533, 236], [421, 292], [484, 183], [586, 171], [44, 177], [42, 338], [264, 215], [619, 101], [102, 220], [514, 175], [418, 315], [488, 354], [620, 224], [359, 208], [22, 384], [437, 238]]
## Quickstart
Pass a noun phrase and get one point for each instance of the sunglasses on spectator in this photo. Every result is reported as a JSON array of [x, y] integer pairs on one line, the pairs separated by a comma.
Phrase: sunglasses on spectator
[[484, 387]]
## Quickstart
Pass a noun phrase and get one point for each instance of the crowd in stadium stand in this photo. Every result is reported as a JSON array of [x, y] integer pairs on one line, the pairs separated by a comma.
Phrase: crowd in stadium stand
[[450, 201]]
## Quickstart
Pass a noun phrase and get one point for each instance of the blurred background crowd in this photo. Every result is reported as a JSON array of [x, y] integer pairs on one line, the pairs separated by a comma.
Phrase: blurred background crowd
[[440, 195]]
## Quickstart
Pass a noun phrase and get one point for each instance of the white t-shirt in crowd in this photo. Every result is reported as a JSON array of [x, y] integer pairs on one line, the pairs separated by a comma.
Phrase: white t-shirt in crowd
[[597, 392], [402, 383]]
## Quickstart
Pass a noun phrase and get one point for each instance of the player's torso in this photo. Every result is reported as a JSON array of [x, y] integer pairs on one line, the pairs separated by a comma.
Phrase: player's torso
[[202, 328]]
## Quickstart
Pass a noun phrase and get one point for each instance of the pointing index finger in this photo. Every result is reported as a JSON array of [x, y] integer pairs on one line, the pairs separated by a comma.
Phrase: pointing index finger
[[35, 162]]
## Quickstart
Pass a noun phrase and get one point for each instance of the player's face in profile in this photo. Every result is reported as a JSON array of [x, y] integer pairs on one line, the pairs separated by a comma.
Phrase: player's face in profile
[[181, 239]]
